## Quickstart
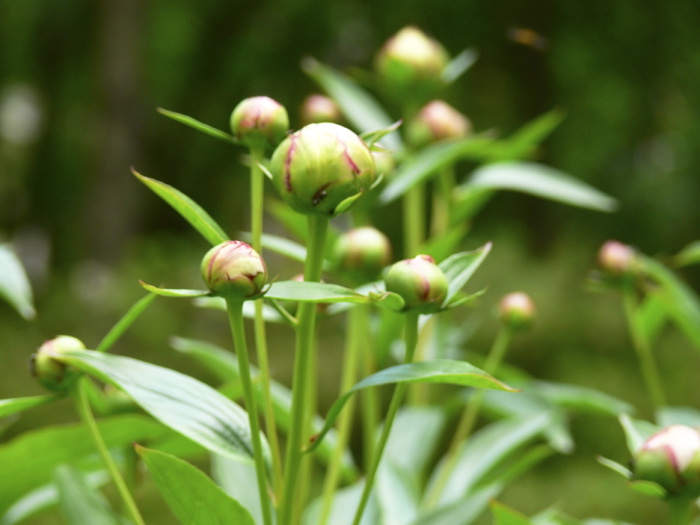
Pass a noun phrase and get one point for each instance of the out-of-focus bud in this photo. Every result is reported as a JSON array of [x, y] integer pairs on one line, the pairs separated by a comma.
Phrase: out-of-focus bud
[[516, 310], [259, 122], [437, 121], [362, 251], [52, 374], [319, 108], [384, 162], [617, 259], [234, 270], [320, 166], [671, 458], [420, 282], [411, 64]]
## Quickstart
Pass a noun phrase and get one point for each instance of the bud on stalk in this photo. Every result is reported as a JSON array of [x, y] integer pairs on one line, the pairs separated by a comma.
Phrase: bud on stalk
[[51, 373], [259, 122], [516, 310], [437, 121], [233, 270], [420, 282]]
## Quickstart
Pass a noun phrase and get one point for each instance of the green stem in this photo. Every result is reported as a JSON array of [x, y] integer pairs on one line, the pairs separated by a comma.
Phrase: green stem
[[681, 509], [303, 369], [83, 408], [413, 220], [442, 201], [235, 316], [125, 322], [411, 337], [370, 404], [650, 372]]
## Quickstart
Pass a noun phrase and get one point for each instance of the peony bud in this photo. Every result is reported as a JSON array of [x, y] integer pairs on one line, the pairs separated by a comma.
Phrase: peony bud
[[437, 121], [259, 122], [320, 166], [234, 270], [363, 251], [420, 282], [52, 374], [319, 108], [617, 259], [516, 310], [671, 458]]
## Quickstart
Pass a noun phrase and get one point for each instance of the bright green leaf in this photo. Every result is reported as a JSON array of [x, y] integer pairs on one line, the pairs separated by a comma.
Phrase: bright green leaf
[[20, 404], [14, 284], [690, 254], [239, 480], [459, 268], [615, 467], [372, 137], [506, 516], [442, 246], [80, 503], [313, 292], [199, 126]]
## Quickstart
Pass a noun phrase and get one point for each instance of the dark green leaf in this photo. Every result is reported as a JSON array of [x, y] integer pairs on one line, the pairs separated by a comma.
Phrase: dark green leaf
[[19, 404], [459, 65], [313, 292], [459, 268], [82, 504], [168, 292], [199, 126], [14, 284]]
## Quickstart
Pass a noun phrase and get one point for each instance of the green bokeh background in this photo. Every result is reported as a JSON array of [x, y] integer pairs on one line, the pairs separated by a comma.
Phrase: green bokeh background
[[627, 74]]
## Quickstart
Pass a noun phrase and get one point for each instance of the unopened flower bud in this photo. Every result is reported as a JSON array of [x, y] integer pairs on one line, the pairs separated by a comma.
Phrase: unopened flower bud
[[51, 373], [233, 270], [320, 166], [617, 259], [420, 282], [363, 251], [437, 121], [671, 458], [319, 108], [259, 122], [516, 310]]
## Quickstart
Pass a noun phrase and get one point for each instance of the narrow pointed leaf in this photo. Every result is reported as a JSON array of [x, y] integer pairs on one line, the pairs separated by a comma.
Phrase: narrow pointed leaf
[[689, 255], [459, 65], [125, 322], [440, 371], [460, 267], [20, 404], [525, 140], [372, 137], [615, 467], [171, 292], [636, 432], [199, 126], [81, 503], [190, 210], [191, 495], [284, 247], [14, 284], [314, 292]]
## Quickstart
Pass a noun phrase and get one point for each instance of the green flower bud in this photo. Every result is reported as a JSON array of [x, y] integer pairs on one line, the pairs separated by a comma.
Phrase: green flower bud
[[671, 458], [516, 310], [234, 270], [319, 108], [617, 259], [259, 122], [52, 374], [437, 121], [363, 251], [420, 282], [320, 166]]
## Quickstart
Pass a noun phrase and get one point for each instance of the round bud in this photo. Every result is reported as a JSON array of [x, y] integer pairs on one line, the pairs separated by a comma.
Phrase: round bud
[[259, 122], [362, 251], [437, 121], [234, 270], [420, 282], [617, 259], [51, 373], [516, 310], [320, 166], [319, 108]]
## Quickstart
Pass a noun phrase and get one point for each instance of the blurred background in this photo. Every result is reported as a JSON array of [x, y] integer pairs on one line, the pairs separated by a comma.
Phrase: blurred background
[[79, 85]]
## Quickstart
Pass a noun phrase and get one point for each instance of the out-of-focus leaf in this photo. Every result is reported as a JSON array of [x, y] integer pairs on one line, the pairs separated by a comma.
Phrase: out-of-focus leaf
[[19, 404], [192, 212], [372, 137], [581, 399], [191, 495], [124, 323], [81, 503], [459, 268], [314, 292], [615, 467], [14, 284], [219, 303], [199, 126], [460, 512], [503, 515], [284, 247], [442, 246], [523, 142], [648, 488], [667, 416], [636, 432], [414, 437], [239, 480], [459, 65], [688, 255], [650, 317], [469, 201], [169, 292], [345, 503], [397, 492]]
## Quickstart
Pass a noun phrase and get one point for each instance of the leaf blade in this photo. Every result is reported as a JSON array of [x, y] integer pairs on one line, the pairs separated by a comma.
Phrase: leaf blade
[[14, 284], [199, 126]]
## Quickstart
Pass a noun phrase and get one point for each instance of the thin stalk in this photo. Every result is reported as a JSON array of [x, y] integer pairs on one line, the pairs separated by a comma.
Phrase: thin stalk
[[650, 372], [411, 337], [442, 201], [370, 404], [681, 509], [235, 316], [83, 407], [413, 220], [303, 369]]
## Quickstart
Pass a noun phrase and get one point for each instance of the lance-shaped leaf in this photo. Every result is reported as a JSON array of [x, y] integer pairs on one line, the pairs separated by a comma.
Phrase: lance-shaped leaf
[[690, 254], [314, 292], [80, 502], [179, 401], [20, 404], [372, 137], [191, 495], [124, 323], [459, 268], [14, 285], [199, 126], [636, 432], [503, 515], [459, 65], [442, 371], [173, 292], [190, 210]]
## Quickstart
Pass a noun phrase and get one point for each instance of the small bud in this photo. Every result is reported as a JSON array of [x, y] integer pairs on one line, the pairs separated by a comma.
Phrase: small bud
[[259, 122], [319, 108], [320, 166], [437, 121], [420, 282], [52, 374], [671, 458], [617, 259], [363, 251], [516, 310], [234, 270]]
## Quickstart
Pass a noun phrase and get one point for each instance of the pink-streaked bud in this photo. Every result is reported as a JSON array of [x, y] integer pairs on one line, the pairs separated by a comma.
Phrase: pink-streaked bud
[[320, 166], [671, 458], [362, 251], [516, 310], [437, 121], [51, 373], [319, 108], [259, 122], [420, 282], [233, 270], [617, 259]]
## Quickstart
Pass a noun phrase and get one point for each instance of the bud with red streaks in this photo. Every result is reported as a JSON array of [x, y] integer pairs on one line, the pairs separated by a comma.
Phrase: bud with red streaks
[[234, 270], [420, 282], [259, 122]]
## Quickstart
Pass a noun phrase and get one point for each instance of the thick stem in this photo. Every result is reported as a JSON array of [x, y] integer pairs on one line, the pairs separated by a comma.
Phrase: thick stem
[[411, 337], [681, 510], [83, 407], [235, 315]]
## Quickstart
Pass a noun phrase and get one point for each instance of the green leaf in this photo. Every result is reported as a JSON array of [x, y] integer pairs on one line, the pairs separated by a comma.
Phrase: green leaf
[[541, 181], [239, 480], [191, 495], [442, 246], [581, 399], [81, 503], [187, 208], [460, 512], [689, 416], [690, 254], [651, 317], [180, 402], [459, 268], [459, 65], [358, 106], [441, 371], [314, 292], [14, 284], [20, 404], [506, 516], [397, 493], [284, 247], [648, 488], [124, 323], [636, 432], [615, 467], [525, 140], [414, 438], [372, 137], [170, 292], [199, 126]]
